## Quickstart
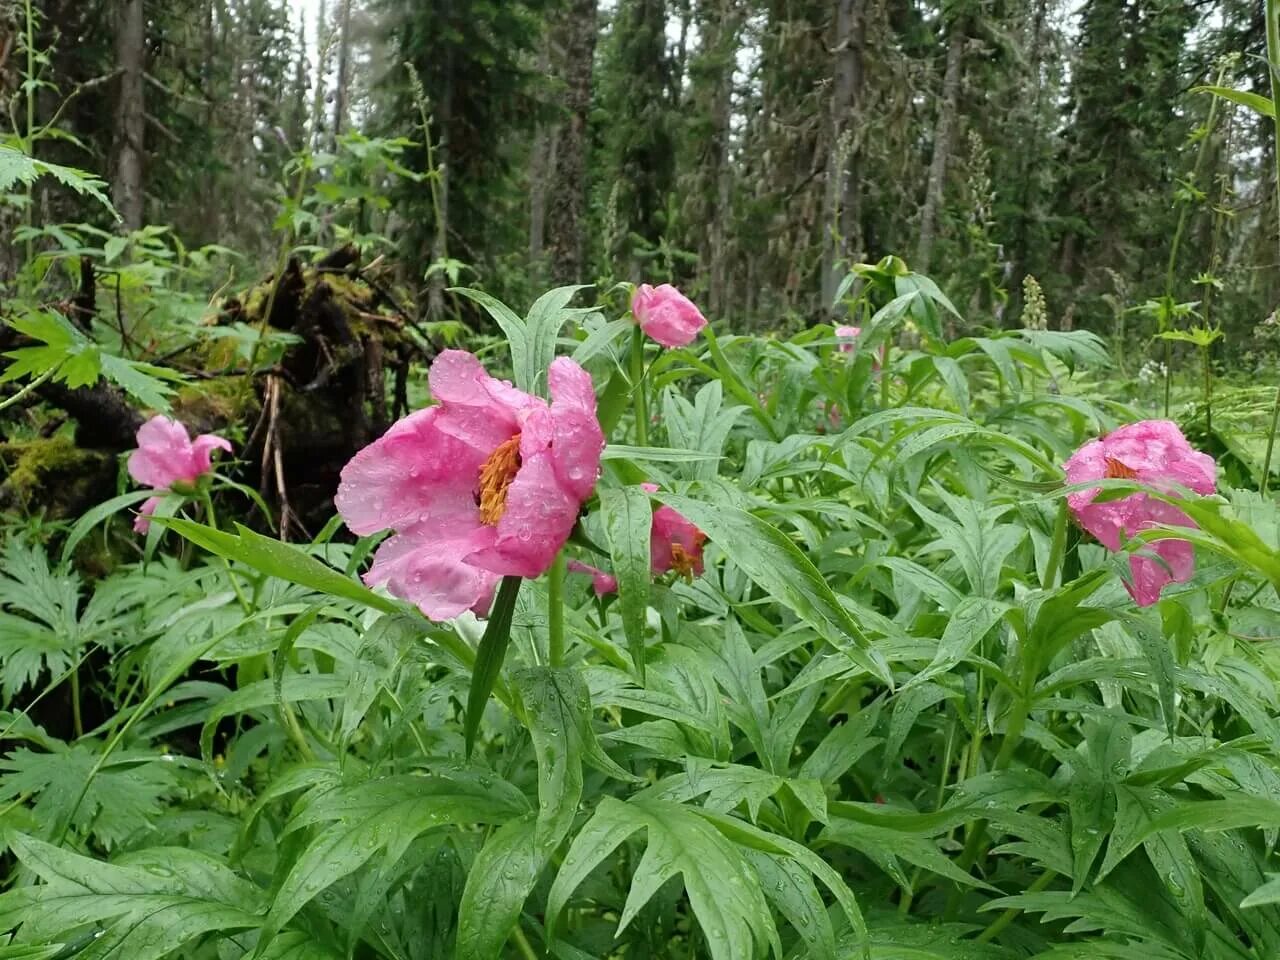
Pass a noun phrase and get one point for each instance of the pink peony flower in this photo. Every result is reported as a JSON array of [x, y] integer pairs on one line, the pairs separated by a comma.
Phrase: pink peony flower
[[848, 337], [166, 456], [487, 483], [674, 542], [1156, 453], [667, 315], [601, 582]]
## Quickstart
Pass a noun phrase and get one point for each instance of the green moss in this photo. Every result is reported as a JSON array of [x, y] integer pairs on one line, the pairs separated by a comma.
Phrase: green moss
[[215, 401], [52, 473]]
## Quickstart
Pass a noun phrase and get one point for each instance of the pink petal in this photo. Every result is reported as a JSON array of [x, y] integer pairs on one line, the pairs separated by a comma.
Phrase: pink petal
[[141, 524], [539, 517], [413, 473], [666, 315], [848, 334], [475, 408], [202, 450], [164, 454], [577, 440], [1175, 564], [431, 574], [601, 582], [670, 528]]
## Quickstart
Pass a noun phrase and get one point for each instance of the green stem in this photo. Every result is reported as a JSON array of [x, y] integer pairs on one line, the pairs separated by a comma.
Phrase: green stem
[[1208, 393], [638, 386], [1006, 918], [1273, 65], [522, 943], [884, 376], [77, 723], [1058, 549], [226, 564], [1168, 374], [555, 611], [10, 401]]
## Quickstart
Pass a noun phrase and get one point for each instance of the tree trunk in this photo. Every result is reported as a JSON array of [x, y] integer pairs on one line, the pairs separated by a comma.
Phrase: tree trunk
[[542, 163], [440, 241], [840, 207], [342, 95], [566, 219], [10, 79], [942, 134], [131, 112]]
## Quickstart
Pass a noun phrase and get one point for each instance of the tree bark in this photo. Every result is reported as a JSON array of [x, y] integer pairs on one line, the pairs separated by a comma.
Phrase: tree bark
[[840, 211], [342, 95], [566, 220], [10, 214], [131, 112], [942, 135], [541, 161]]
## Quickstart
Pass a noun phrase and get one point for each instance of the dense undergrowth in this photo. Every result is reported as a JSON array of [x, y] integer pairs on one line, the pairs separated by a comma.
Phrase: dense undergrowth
[[905, 709]]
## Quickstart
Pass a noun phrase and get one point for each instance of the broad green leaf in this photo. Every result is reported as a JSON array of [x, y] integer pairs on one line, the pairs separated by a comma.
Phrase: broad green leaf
[[627, 521], [383, 816], [968, 624], [152, 904], [498, 884], [490, 656], [723, 889], [1254, 101], [778, 567]]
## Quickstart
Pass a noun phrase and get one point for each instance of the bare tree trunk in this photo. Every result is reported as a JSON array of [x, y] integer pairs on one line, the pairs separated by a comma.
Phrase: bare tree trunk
[[942, 134], [440, 242], [566, 219], [322, 70], [342, 95], [10, 214], [542, 162], [722, 23], [131, 112], [840, 207]]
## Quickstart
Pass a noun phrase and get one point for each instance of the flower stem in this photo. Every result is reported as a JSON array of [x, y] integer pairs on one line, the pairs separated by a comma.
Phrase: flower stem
[[77, 724], [638, 387], [10, 401], [226, 564], [1006, 918], [555, 611], [1058, 548]]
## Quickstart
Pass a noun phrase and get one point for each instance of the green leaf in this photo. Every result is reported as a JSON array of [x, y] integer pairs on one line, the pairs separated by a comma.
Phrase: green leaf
[[779, 568], [968, 624], [150, 905], [1266, 894], [96, 515], [1255, 102], [542, 326], [627, 521], [281, 560], [723, 889], [17, 167], [384, 815], [498, 884], [490, 656]]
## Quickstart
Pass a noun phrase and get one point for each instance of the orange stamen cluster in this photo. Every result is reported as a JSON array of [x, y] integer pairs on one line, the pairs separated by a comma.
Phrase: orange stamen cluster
[[1120, 471], [682, 561], [495, 480]]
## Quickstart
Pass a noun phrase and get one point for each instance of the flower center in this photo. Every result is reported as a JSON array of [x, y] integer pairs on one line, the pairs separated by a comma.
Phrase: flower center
[[1120, 471], [495, 480], [682, 561]]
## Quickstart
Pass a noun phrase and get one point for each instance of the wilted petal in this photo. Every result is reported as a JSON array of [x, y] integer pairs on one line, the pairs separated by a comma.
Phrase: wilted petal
[[142, 522]]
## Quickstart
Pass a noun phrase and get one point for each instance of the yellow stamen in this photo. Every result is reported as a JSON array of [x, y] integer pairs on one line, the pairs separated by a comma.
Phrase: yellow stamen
[[682, 561], [495, 480], [1120, 471]]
